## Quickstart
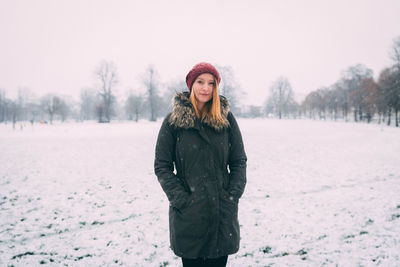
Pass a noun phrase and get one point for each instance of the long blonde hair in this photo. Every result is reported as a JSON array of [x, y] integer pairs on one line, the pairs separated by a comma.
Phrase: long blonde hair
[[212, 109]]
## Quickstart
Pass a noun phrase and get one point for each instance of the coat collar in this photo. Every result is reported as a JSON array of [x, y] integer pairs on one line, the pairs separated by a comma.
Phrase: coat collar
[[183, 115]]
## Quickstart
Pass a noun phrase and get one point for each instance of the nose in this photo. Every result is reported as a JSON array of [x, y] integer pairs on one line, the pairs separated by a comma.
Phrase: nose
[[206, 86]]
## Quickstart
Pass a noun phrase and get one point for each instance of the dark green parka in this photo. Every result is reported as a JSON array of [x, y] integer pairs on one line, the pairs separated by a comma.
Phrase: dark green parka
[[210, 177]]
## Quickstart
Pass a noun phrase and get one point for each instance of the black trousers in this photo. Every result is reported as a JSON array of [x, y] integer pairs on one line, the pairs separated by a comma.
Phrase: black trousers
[[200, 262]]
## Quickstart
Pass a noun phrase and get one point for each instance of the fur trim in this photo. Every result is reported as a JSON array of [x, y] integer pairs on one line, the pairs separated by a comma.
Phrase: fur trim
[[183, 115]]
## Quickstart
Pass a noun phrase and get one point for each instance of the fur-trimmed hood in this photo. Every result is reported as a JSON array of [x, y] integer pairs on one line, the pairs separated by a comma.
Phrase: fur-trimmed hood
[[183, 115]]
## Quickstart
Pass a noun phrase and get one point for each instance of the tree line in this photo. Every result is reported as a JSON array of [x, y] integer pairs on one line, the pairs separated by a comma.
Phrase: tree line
[[356, 96], [100, 102]]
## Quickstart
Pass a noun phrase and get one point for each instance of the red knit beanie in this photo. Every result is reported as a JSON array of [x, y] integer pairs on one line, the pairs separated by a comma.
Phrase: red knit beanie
[[198, 69]]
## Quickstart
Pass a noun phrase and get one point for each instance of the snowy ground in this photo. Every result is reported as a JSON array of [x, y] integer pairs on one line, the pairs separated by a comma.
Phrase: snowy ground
[[318, 193]]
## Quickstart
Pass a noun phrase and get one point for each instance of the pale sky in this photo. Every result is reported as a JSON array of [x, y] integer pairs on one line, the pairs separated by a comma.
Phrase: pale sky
[[55, 46]]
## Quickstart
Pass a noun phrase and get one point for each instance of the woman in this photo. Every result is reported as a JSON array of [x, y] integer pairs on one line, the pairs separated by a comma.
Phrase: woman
[[202, 140]]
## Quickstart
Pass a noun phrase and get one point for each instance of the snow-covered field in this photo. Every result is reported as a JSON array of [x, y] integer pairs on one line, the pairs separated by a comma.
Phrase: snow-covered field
[[318, 193]]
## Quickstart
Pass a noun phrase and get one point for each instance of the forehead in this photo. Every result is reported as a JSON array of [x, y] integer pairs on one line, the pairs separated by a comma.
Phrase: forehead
[[206, 76]]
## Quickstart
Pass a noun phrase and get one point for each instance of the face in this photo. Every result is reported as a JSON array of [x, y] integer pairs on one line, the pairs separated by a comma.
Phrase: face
[[203, 88]]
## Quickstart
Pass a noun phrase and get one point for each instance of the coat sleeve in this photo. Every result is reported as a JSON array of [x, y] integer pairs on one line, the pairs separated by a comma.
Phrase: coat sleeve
[[164, 167], [237, 160]]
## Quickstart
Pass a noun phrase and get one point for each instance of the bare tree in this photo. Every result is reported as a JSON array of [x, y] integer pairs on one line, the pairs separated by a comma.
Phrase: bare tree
[[151, 83], [323, 103], [369, 90], [4, 103], [294, 109], [134, 106], [87, 104], [15, 112], [269, 107], [395, 52], [106, 74], [380, 101], [332, 104], [342, 96], [395, 55], [23, 98], [281, 96], [19, 109], [64, 109], [51, 104], [12, 109], [389, 89], [34, 111], [312, 104], [28, 104], [351, 79], [229, 88]]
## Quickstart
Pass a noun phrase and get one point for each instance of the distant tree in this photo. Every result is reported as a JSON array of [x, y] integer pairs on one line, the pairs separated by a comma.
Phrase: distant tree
[[389, 90], [167, 97], [28, 104], [4, 106], [395, 52], [134, 106], [395, 55], [14, 110], [87, 104], [351, 79], [323, 103], [99, 110], [356, 98], [339, 102], [51, 104], [342, 96], [281, 96], [151, 83], [106, 74], [252, 111], [173, 88], [64, 109], [23, 99], [269, 107], [369, 90], [332, 102], [294, 109], [380, 101], [229, 87], [312, 104], [396, 101], [34, 111]]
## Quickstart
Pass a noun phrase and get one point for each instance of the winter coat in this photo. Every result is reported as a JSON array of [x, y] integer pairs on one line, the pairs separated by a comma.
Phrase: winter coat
[[210, 177]]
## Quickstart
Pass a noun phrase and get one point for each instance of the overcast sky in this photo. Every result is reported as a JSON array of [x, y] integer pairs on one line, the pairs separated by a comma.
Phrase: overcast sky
[[55, 46]]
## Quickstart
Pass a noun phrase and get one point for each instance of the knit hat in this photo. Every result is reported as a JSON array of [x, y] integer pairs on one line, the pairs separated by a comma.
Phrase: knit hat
[[198, 69]]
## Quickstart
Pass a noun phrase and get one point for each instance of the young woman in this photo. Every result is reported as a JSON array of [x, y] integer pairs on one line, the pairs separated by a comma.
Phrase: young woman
[[201, 140]]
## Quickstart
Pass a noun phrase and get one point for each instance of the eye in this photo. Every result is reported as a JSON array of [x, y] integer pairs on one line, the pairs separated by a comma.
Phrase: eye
[[199, 81]]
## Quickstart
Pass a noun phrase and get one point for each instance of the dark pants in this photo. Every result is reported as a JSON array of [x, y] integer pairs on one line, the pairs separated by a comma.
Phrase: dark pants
[[200, 262]]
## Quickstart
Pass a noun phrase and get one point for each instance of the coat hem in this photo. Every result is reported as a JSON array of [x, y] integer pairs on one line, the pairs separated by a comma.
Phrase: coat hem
[[214, 256]]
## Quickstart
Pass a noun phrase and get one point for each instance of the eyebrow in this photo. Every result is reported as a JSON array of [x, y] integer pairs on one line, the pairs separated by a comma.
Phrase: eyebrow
[[211, 80]]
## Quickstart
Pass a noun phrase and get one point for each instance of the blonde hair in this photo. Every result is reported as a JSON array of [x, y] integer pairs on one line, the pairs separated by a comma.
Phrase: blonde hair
[[212, 109]]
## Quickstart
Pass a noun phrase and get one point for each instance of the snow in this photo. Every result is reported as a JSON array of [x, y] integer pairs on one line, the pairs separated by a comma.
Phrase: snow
[[85, 194]]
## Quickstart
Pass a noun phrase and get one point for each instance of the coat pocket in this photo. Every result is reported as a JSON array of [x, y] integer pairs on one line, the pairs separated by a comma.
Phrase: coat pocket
[[229, 230], [190, 221], [226, 196]]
